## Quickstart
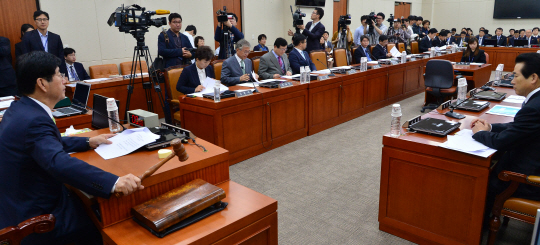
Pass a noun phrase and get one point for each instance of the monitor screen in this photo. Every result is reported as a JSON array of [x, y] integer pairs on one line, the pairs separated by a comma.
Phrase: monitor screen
[[99, 119], [521, 43], [516, 9], [80, 96], [310, 3]]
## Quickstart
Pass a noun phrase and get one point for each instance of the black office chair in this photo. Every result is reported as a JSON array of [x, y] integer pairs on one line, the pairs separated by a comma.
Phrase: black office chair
[[439, 81]]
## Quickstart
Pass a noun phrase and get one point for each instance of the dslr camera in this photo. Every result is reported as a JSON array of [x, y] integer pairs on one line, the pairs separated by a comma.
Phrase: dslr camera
[[344, 21], [127, 20]]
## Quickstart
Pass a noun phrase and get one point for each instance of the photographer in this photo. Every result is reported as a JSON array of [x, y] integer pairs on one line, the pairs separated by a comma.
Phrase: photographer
[[338, 36], [379, 28], [313, 30], [398, 34], [234, 34], [361, 30], [173, 45]]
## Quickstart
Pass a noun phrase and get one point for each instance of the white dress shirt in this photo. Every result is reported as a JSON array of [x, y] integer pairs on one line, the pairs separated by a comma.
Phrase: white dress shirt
[[313, 25], [201, 73], [44, 40], [530, 95]]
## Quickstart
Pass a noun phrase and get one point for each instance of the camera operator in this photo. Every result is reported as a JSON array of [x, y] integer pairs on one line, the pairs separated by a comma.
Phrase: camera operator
[[234, 33], [361, 30], [379, 28], [173, 45], [313, 30], [337, 36], [398, 34]]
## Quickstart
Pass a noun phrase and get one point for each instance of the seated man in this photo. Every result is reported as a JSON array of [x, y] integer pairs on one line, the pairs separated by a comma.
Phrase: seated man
[[298, 57], [481, 37], [529, 38], [519, 140], [462, 41], [275, 64], [192, 76], [501, 39], [74, 71], [36, 164], [440, 40], [262, 44], [173, 45], [237, 69], [380, 51], [426, 43], [450, 39], [363, 50]]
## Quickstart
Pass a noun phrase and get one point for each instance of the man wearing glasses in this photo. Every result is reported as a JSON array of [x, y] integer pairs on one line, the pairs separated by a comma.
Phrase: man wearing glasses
[[42, 40], [173, 45], [238, 68], [379, 29], [313, 30], [275, 63]]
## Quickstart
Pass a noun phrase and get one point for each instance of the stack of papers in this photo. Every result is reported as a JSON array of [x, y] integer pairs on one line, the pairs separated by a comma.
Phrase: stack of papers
[[208, 85], [96, 80], [501, 110], [291, 77], [126, 142], [395, 52], [463, 141], [325, 71], [5, 104], [515, 99]]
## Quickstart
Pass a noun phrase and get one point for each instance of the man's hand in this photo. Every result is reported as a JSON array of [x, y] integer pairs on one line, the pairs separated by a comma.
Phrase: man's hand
[[199, 88], [290, 33], [480, 125], [186, 53], [301, 27], [388, 55], [276, 76], [128, 184], [244, 78], [228, 23], [100, 139], [289, 73], [429, 49]]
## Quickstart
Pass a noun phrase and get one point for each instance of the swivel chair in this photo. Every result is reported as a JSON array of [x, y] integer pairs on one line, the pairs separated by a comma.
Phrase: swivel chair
[[439, 81]]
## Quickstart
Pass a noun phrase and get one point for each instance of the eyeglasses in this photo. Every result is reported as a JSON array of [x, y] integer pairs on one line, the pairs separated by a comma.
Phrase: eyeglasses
[[283, 49], [42, 20], [177, 22]]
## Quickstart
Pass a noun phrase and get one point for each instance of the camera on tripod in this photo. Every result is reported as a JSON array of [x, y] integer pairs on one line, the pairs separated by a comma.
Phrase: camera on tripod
[[297, 18], [391, 20], [344, 21], [127, 20], [222, 15]]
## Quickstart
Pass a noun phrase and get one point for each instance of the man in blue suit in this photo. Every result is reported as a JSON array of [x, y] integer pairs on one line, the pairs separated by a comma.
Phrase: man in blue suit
[[41, 39], [313, 30], [8, 81], [173, 45], [74, 71], [298, 57], [235, 35], [35, 161], [237, 69], [501, 39], [192, 77], [363, 50]]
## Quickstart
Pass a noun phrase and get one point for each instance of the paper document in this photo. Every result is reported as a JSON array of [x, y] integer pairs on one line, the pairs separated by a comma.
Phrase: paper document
[[254, 76], [463, 141], [7, 98], [395, 52], [208, 85], [325, 71], [342, 67], [373, 62], [126, 142], [291, 77], [5, 104], [501, 110], [515, 99], [96, 80], [476, 64]]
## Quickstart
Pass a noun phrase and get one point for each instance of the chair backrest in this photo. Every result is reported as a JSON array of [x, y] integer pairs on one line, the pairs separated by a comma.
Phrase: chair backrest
[[371, 48], [254, 54], [401, 47], [171, 79], [439, 74], [217, 68], [414, 47], [13, 235], [125, 67], [103, 71], [353, 49], [390, 46], [256, 60], [487, 57], [321, 55], [340, 57]]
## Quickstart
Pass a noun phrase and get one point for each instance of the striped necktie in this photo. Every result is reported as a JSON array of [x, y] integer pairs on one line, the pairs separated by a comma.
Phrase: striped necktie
[[243, 66]]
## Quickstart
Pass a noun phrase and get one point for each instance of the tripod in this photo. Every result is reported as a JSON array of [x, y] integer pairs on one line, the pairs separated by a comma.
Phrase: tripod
[[226, 39]]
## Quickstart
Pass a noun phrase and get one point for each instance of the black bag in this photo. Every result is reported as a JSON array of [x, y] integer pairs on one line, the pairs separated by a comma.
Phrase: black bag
[[159, 63]]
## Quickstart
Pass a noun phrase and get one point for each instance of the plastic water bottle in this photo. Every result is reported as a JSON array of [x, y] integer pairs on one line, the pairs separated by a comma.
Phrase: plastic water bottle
[[403, 57], [302, 75], [462, 90], [395, 126], [363, 64], [432, 53], [112, 112], [217, 93], [307, 73]]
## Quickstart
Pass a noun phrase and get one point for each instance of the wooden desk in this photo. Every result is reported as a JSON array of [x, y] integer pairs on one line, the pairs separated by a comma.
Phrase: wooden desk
[[506, 56], [430, 194], [78, 122]]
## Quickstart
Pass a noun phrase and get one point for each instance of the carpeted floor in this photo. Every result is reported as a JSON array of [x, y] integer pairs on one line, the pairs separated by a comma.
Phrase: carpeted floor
[[327, 184]]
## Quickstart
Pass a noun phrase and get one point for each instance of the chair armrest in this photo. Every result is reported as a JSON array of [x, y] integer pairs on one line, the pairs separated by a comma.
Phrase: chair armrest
[[176, 102], [520, 178]]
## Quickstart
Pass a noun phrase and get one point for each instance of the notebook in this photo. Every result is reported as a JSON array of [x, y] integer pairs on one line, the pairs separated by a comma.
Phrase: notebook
[[435, 126], [490, 95], [80, 98]]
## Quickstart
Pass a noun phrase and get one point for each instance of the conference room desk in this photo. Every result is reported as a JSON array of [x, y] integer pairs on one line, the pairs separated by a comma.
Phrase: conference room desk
[[249, 217], [434, 195], [78, 121], [506, 56]]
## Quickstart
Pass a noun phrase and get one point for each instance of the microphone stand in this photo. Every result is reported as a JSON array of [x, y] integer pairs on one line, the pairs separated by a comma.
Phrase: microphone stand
[[456, 115], [253, 82], [99, 113], [331, 73]]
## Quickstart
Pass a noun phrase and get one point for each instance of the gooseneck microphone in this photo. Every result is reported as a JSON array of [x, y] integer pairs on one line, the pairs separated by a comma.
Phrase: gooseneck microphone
[[331, 73], [99, 113], [456, 115], [252, 80]]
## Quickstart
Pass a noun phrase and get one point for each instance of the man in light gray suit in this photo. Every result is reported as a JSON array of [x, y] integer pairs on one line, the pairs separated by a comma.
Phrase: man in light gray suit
[[237, 69], [275, 63]]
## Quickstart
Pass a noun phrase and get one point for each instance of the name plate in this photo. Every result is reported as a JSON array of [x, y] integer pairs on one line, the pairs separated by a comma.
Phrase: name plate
[[393, 62], [413, 58], [376, 66], [241, 94], [285, 84], [321, 78], [129, 76], [351, 71]]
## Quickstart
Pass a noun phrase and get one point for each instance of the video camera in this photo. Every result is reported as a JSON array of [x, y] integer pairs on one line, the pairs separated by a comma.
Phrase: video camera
[[344, 21], [128, 21], [391, 20], [371, 18], [297, 18], [222, 15]]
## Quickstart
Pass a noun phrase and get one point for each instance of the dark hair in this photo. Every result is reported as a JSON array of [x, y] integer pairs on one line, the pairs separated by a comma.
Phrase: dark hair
[[68, 51], [444, 33], [364, 37], [536, 28], [411, 17], [280, 42], [381, 14], [34, 65], [24, 28], [469, 50], [432, 31], [425, 22], [235, 17], [531, 64], [192, 28], [364, 17], [419, 18], [469, 29], [204, 53], [464, 28], [383, 38], [404, 20], [326, 33], [261, 37], [454, 29], [520, 30], [512, 29], [196, 41], [483, 30], [173, 16], [398, 21], [39, 12], [499, 28], [463, 32], [298, 38], [320, 12]]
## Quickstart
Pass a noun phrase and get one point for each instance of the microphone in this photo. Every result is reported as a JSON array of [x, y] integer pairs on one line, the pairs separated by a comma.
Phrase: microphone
[[99, 113], [456, 115], [160, 12], [331, 73], [252, 80]]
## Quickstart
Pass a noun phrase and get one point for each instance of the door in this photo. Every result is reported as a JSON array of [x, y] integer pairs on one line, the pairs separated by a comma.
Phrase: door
[[13, 14], [233, 6], [402, 10]]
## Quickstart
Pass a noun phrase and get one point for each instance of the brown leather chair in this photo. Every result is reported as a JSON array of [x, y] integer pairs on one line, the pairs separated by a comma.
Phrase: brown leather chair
[[256, 61], [171, 79], [401, 47], [217, 68], [321, 55], [254, 54], [414, 47], [390, 46], [510, 207], [103, 71], [125, 67], [487, 57], [13, 235], [353, 49], [340, 57]]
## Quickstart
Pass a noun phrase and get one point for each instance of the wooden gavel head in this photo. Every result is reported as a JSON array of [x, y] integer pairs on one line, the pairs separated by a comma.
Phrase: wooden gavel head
[[179, 150]]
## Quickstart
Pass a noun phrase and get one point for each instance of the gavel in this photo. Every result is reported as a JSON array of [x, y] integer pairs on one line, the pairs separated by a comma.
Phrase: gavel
[[178, 150]]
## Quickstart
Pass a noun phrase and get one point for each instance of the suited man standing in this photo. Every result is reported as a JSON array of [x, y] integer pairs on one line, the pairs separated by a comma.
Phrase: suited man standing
[[426, 43], [74, 71], [172, 44], [363, 50], [41, 39], [501, 39], [36, 164], [237, 69], [519, 140], [8, 81], [313, 30], [275, 63], [190, 81], [298, 56]]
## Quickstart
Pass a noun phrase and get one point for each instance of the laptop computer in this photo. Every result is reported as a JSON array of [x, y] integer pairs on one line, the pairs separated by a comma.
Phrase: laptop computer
[[100, 120], [490, 42], [521, 42], [473, 105], [490, 95], [435, 126], [80, 98]]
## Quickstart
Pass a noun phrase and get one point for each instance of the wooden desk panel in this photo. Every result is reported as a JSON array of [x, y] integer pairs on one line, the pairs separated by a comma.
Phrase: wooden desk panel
[[396, 81], [375, 89], [78, 122], [324, 105], [506, 56]]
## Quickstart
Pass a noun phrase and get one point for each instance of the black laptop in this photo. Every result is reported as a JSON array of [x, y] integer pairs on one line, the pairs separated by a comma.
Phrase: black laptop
[[80, 98], [435, 126], [473, 105], [99, 115], [223, 95], [490, 95], [490, 42], [521, 42]]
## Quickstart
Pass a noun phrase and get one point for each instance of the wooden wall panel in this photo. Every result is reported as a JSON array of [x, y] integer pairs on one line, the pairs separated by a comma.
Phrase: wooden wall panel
[[233, 6], [402, 9], [13, 14]]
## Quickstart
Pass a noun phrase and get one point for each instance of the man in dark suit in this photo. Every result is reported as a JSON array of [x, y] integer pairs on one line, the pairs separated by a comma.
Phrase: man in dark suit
[[501, 39], [8, 81], [363, 50], [380, 51], [74, 71], [173, 45], [298, 57], [238, 68], [481, 37], [426, 42], [234, 34], [19, 49], [462, 41], [313, 30], [440, 40], [36, 164], [529, 38], [193, 76], [450, 39], [275, 63], [520, 139], [41, 39]]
